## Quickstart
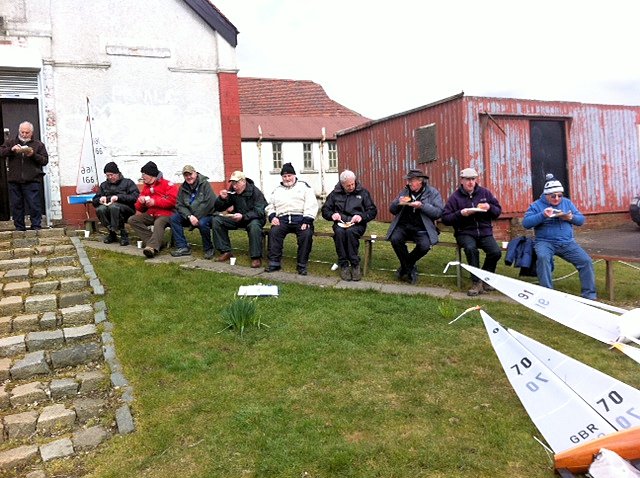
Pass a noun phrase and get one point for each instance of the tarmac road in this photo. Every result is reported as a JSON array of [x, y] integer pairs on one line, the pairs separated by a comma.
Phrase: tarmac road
[[621, 241]]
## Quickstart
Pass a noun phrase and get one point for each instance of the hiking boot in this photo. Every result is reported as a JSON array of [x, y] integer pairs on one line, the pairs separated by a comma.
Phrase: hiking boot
[[401, 274], [110, 238], [487, 288], [208, 255], [412, 277], [345, 273], [476, 289], [302, 270], [149, 252], [181, 251], [124, 238], [272, 268], [356, 273]]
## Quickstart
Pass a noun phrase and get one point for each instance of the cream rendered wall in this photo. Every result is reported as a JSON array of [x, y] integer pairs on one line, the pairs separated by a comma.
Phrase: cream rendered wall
[[149, 69], [292, 152]]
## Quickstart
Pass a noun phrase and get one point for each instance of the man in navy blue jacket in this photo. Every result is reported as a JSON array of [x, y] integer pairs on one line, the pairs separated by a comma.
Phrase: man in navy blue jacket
[[471, 210]]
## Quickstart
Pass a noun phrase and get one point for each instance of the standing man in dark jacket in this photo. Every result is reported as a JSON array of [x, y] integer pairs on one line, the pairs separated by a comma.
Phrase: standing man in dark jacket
[[416, 208], [194, 208], [471, 210], [115, 202], [242, 207], [350, 207], [25, 158]]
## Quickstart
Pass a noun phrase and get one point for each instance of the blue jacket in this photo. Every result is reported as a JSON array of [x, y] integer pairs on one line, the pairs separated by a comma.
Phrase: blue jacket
[[552, 229]]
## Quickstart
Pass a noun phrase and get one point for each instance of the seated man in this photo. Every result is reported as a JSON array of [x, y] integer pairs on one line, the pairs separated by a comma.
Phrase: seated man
[[470, 210], [350, 207], [292, 208], [244, 205], [416, 209], [552, 217], [154, 207], [115, 203], [194, 208]]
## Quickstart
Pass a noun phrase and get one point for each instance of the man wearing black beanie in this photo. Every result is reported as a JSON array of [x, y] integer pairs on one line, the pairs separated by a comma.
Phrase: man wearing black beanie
[[115, 203]]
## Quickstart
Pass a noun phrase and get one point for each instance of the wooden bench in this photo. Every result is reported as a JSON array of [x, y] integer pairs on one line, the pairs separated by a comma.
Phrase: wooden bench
[[609, 275]]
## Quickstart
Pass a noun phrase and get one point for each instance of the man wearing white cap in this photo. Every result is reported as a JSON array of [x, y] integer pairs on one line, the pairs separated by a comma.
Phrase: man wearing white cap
[[471, 210], [552, 218], [242, 207]]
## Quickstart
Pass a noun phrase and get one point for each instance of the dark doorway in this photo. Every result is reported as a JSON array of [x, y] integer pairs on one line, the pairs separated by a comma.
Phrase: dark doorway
[[12, 113], [548, 154]]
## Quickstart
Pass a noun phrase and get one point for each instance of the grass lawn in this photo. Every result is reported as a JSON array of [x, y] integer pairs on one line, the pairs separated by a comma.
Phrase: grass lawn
[[340, 383]]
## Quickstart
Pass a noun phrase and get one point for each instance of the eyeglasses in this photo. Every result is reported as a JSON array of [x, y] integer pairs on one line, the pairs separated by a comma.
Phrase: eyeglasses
[[555, 196]]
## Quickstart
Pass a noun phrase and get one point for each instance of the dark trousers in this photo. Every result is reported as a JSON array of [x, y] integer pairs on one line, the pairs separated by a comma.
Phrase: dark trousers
[[401, 234], [472, 247], [347, 241], [19, 193], [222, 225], [114, 216], [277, 235]]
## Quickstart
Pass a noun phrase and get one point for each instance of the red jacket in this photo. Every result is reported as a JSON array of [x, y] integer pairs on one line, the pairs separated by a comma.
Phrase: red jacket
[[164, 193]]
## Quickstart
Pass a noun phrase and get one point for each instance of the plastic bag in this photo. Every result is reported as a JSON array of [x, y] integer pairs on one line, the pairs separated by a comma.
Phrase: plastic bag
[[608, 464]]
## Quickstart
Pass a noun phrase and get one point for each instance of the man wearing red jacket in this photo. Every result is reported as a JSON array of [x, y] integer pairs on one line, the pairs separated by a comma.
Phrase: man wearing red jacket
[[154, 207]]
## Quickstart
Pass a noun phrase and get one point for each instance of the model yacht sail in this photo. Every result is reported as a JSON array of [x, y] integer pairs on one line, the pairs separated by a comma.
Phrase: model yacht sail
[[87, 180], [577, 409], [603, 322]]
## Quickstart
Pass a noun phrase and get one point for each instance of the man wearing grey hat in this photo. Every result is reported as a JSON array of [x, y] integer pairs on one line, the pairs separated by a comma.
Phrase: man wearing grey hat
[[471, 210], [416, 208], [242, 207], [194, 208], [552, 218], [115, 203]]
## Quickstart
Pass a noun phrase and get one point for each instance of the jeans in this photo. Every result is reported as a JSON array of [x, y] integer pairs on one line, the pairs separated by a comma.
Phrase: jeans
[[401, 234], [347, 242], [572, 253], [177, 229], [221, 227], [115, 216], [19, 193], [472, 247]]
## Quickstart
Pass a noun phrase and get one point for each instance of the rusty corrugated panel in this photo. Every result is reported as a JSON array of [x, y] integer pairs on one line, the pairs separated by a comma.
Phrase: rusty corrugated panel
[[492, 135]]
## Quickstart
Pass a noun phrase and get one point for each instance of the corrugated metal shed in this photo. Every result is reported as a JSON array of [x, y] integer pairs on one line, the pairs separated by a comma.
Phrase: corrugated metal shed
[[493, 135]]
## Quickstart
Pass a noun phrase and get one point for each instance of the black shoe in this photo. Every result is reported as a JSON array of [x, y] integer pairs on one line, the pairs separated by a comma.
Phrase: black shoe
[[345, 273], [356, 273], [412, 278], [272, 268], [302, 271], [208, 255], [401, 274], [110, 238], [181, 251], [124, 239]]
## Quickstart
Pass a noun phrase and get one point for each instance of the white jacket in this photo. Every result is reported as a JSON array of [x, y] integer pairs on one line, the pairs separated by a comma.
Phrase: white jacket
[[298, 199]]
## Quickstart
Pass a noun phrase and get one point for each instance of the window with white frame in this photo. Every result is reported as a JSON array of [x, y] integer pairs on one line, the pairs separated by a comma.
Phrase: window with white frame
[[332, 154], [307, 156], [277, 155]]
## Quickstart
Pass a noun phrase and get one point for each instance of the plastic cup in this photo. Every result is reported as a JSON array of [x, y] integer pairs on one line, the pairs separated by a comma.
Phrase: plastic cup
[[504, 245], [334, 267], [232, 261], [87, 234], [373, 237], [139, 244]]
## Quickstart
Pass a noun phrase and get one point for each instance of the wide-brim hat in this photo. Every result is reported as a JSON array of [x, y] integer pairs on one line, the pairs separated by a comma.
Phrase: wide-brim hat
[[416, 173]]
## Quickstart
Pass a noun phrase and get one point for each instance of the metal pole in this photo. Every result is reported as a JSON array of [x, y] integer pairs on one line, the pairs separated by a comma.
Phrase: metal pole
[[259, 144]]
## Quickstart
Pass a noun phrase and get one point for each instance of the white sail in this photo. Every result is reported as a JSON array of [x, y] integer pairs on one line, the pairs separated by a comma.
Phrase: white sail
[[564, 419], [559, 306], [87, 174], [616, 401]]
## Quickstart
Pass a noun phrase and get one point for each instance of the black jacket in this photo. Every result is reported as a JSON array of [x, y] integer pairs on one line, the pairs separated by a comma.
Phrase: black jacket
[[358, 202], [251, 203], [22, 168], [124, 188]]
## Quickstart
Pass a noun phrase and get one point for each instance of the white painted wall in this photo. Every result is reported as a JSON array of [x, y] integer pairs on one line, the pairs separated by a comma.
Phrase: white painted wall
[[292, 152], [149, 68]]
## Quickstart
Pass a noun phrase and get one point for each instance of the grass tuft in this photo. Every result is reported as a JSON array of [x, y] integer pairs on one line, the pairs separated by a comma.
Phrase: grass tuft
[[240, 314]]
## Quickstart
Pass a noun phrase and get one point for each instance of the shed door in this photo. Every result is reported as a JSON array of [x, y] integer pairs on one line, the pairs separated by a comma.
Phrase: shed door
[[548, 154]]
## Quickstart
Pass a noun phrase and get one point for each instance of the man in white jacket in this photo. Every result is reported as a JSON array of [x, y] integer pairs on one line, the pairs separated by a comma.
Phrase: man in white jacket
[[292, 208]]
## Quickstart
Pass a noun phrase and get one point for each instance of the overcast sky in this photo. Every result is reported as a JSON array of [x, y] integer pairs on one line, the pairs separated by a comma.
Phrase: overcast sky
[[381, 58]]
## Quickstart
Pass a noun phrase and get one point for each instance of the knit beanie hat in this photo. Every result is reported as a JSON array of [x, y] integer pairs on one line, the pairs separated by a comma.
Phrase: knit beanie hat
[[150, 169], [287, 168], [111, 168], [552, 185]]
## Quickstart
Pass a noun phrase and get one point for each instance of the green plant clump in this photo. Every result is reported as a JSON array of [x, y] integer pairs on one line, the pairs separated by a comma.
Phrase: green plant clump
[[240, 314]]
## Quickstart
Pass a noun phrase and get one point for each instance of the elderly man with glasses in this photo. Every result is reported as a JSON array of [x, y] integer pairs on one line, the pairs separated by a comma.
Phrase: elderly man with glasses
[[552, 218]]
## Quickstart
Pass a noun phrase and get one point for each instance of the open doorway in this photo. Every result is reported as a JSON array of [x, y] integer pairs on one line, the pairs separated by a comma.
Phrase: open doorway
[[548, 154]]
